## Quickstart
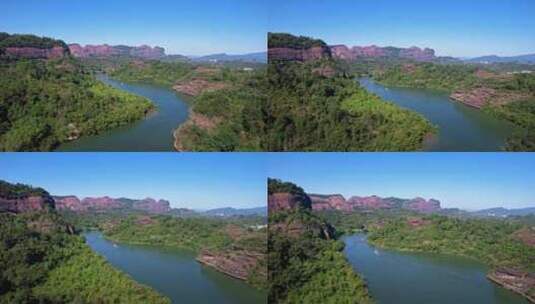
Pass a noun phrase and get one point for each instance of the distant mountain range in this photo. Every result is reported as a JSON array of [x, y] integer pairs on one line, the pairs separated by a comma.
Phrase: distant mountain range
[[526, 59], [503, 212], [259, 57], [229, 212]]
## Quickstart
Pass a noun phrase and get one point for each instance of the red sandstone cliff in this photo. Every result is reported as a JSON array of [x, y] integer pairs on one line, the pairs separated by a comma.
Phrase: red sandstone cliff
[[26, 204], [285, 201], [35, 53], [416, 53], [337, 202], [290, 54], [105, 50], [73, 203]]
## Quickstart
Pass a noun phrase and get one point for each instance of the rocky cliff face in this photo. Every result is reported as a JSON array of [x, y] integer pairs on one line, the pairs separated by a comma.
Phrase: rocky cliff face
[[238, 264], [421, 205], [291, 54], [416, 53], [35, 53], [73, 203], [105, 50], [151, 205], [70, 202], [26, 204], [328, 202], [337, 202], [515, 280], [285, 201]]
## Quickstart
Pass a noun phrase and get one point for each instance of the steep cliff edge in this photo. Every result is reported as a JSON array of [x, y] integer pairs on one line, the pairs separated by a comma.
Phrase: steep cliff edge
[[31, 47], [338, 202], [286, 47], [354, 53], [17, 198], [104, 50], [73, 203]]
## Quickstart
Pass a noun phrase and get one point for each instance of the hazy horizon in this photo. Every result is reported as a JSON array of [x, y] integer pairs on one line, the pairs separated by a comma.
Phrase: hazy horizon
[[456, 28], [194, 181], [469, 181], [186, 27]]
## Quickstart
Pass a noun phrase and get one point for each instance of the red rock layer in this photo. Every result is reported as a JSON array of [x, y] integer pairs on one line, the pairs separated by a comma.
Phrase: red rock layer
[[416, 53], [105, 50], [26, 204], [285, 201], [289, 54], [36, 53]]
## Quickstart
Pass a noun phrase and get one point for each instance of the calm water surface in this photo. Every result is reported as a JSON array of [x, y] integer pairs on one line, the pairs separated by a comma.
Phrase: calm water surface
[[174, 273], [400, 277], [154, 133], [460, 128]]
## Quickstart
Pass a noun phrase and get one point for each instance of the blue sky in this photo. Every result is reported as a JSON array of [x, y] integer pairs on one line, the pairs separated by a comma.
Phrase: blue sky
[[190, 27], [452, 27], [191, 180], [463, 180]]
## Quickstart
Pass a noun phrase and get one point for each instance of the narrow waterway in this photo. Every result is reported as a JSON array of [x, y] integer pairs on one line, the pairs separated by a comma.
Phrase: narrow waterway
[[417, 278], [154, 133], [174, 273], [460, 128]]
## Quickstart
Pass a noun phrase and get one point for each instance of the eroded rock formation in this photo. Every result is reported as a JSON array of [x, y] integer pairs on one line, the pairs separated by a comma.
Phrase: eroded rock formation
[[26, 204], [35, 53], [373, 51], [105, 50], [292, 54], [237, 263], [515, 280]]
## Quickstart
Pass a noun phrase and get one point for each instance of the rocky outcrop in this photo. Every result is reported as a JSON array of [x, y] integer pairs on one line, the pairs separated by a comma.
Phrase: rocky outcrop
[[151, 205], [238, 264], [286, 201], [26, 203], [194, 87], [479, 97], [105, 50], [368, 202], [421, 205], [345, 53], [70, 202], [328, 202], [35, 53], [521, 282], [291, 54], [337, 202], [73, 203]]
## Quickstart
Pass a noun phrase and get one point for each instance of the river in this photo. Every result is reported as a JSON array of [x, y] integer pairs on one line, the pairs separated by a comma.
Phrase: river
[[174, 273], [460, 128], [403, 277], [154, 133]]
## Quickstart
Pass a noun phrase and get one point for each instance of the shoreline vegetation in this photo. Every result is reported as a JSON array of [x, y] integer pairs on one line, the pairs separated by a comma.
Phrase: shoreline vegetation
[[229, 246], [45, 260], [306, 262], [315, 105], [504, 95], [48, 101]]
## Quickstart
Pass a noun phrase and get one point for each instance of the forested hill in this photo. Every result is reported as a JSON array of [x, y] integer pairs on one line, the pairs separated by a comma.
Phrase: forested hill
[[315, 105], [47, 98], [44, 260], [306, 263], [30, 46]]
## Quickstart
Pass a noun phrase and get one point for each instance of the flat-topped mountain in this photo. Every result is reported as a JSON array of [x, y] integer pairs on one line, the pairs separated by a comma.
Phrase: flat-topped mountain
[[73, 203], [338, 202], [31, 47], [287, 47], [17, 198], [346, 53], [104, 50], [527, 59]]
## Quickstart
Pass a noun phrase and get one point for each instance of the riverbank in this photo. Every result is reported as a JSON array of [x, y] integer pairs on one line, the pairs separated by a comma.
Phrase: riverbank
[[409, 277], [174, 272], [460, 128], [154, 133]]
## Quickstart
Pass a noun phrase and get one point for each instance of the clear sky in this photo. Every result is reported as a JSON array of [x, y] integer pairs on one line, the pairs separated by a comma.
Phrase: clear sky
[[191, 180], [463, 180], [461, 28], [188, 27]]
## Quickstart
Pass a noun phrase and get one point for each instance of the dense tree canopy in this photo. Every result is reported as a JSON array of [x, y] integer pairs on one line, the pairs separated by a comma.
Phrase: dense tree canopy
[[44, 103]]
